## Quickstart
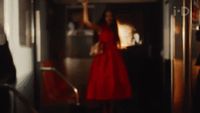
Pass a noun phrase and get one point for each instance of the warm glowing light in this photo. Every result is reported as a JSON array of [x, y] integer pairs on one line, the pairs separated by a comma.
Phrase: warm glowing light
[[128, 36], [197, 28]]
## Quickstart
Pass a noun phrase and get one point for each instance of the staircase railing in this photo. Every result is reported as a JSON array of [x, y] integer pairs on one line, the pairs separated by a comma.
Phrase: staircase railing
[[20, 97], [75, 90]]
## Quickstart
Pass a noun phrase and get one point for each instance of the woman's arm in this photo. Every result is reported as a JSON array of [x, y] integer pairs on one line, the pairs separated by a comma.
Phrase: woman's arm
[[86, 20]]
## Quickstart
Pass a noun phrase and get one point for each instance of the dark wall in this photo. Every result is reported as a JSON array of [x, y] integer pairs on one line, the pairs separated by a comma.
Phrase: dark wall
[[144, 63], [56, 28], [56, 33]]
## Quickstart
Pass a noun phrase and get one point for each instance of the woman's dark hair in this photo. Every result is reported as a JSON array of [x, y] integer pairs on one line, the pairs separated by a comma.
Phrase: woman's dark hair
[[102, 19], [113, 25]]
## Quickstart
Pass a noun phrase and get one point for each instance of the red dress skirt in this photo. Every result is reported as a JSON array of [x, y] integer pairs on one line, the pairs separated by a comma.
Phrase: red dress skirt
[[108, 78]]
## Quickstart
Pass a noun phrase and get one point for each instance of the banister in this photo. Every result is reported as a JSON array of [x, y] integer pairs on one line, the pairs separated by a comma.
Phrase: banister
[[20, 96], [44, 68]]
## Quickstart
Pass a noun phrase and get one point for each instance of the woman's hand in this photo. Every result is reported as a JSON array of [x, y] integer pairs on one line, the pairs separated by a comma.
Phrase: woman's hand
[[86, 20], [84, 2]]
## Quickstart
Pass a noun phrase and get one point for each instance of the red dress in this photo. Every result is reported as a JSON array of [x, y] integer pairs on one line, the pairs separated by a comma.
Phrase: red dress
[[108, 78]]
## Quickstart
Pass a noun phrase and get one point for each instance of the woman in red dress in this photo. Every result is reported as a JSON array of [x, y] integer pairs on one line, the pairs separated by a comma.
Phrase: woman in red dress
[[108, 80]]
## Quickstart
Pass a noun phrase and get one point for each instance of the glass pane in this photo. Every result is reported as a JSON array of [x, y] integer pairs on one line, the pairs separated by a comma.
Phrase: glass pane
[[181, 56]]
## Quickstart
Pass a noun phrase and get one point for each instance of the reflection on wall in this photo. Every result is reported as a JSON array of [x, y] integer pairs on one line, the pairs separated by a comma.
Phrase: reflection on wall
[[177, 53], [78, 46], [25, 22], [196, 13], [78, 39]]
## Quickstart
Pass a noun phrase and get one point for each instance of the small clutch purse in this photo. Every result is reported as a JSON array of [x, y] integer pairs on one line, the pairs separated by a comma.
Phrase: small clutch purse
[[96, 49]]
